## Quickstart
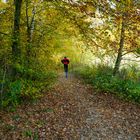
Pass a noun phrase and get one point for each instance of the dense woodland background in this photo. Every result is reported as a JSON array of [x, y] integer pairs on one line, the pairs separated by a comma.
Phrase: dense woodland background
[[100, 37]]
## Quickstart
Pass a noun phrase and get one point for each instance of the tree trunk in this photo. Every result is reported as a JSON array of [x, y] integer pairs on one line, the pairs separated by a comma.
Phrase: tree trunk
[[16, 50], [30, 28], [121, 44]]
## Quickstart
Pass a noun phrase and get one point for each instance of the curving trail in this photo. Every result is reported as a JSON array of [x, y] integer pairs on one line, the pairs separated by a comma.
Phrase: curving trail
[[72, 110]]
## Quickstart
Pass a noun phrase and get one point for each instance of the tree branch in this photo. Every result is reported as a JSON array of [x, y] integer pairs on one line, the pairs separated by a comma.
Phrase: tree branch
[[4, 33], [132, 60]]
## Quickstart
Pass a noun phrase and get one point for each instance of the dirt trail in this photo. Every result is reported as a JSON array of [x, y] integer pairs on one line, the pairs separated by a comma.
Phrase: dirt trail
[[72, 111]]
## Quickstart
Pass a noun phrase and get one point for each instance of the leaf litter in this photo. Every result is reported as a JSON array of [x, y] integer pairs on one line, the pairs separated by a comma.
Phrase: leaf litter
[[72, 110]]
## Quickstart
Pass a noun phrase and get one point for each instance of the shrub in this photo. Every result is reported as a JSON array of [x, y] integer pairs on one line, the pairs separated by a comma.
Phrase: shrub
[[101, 78], [24, 88], [12, 95]]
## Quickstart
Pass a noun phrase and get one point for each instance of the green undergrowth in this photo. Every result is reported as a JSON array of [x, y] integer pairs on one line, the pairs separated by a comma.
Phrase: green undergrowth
[[126, 84], [28, 87]]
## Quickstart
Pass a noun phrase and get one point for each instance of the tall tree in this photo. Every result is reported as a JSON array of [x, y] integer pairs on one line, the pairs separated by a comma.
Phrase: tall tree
[[16, 50], [30, 28], [120, 50]]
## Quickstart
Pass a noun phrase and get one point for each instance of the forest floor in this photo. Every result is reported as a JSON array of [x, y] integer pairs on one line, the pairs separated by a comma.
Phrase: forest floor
[[72, 110]]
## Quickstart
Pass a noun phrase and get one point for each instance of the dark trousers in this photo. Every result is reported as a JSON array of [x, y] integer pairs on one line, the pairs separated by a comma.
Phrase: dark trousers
[[66, 70]]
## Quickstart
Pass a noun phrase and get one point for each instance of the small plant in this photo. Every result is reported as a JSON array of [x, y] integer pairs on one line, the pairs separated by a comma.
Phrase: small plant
[[16, 117], [47, 110], [36, 136], [40, 123], [28, 133], [10, 127], [33, 135]]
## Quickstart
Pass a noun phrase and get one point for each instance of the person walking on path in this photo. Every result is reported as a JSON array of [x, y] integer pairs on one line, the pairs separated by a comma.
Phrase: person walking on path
[[65, 61]]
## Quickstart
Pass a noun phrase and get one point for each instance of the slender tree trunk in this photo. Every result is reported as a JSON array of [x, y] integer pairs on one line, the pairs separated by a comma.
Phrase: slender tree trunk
[[119, 56], [16, 51], [30, 28]]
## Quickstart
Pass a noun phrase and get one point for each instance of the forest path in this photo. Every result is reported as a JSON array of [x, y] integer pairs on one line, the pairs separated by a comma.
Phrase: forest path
[[72, 110]]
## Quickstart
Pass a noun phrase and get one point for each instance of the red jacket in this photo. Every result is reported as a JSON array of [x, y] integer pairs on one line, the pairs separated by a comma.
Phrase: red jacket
[[65, 61]]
